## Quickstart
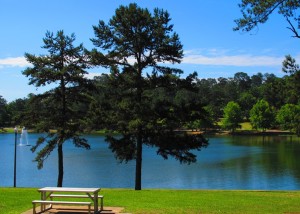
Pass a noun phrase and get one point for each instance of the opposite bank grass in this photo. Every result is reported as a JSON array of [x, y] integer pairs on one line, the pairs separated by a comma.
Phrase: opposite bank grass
[[18, 200]]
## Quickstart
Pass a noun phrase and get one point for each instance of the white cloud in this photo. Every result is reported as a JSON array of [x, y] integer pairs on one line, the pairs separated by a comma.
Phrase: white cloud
[[14, 62], [214, 56], [224, 58], [238, 60]]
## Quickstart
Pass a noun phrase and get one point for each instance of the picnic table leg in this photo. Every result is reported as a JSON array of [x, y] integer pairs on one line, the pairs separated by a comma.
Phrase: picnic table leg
[[43, 197], [101, 204], [96, 202], [33, 209]]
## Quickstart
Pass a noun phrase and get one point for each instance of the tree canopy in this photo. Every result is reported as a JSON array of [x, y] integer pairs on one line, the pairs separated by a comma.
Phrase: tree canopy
[[289, 118], [262, 115], [232, 116], [3, 112]]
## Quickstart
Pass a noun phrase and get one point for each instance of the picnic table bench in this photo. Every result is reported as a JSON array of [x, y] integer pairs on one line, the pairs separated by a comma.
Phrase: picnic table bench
[[66, 192], [42, 202]]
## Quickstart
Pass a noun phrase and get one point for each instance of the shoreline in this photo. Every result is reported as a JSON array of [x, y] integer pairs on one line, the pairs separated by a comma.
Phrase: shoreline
[[212, 132], [271, 132]]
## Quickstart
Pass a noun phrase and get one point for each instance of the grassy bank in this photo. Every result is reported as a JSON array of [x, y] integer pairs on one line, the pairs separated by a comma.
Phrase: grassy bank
[[8, 130], [16, 201]]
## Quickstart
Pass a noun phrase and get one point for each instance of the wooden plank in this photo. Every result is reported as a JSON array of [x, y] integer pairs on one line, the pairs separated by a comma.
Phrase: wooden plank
[[72, 196], [68, 189], [60, 202], [77, 196]]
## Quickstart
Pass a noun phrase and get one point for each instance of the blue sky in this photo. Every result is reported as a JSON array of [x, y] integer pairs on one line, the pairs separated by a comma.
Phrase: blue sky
[[211, 47]]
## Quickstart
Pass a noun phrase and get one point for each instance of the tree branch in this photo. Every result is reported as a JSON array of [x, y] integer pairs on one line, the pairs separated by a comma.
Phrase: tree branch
[[258, 18], [292, 28]]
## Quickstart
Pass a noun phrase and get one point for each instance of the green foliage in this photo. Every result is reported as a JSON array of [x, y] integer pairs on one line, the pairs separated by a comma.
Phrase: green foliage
[[242, 81], [3, 112], [17, 109], [246, 101], [288, 118], [206, 121], [57, 108], [290, 66], [262, 115], [232, 116], [274, 90]]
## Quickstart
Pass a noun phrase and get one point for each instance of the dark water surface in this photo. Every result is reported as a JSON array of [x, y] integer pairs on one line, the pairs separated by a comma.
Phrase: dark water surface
[[240, 162]]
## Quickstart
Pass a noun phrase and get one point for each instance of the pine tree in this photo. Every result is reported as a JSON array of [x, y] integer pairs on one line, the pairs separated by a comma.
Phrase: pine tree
[[63, 69], [140, 107]]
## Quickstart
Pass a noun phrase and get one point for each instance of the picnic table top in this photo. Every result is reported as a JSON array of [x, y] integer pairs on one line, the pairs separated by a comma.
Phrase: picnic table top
[[69, 189]]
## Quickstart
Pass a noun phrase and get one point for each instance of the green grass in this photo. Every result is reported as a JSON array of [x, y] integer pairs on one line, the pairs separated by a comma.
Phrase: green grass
[[12, 130], [246, 126], [7, 130], [18, 200]]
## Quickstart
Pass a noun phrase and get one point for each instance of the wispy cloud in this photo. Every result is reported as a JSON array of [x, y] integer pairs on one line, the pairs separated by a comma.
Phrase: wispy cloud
[[237, 60], [214, 57], [224, 58], [14, 62]]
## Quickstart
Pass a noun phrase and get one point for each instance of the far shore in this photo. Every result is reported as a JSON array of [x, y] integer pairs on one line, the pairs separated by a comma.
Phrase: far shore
[[210, 132], [271, 132]]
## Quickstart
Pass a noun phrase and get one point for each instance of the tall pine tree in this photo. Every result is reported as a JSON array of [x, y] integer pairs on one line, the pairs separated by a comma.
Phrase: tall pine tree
[[145, 108], [63, 68]]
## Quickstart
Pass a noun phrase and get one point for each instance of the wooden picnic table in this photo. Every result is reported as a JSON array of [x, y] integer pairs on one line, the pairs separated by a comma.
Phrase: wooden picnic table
[[49, 192]]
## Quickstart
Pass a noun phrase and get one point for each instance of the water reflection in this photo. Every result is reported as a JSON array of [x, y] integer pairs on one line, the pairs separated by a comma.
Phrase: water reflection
[[279, 159], [239, 162]]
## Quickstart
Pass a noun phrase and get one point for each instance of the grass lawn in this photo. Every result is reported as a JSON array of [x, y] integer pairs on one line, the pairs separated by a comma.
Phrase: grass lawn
[[18, 200], [246, 126]]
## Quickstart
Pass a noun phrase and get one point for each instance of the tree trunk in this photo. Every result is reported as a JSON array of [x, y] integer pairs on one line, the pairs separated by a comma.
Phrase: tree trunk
[[139, 146], [62, 134], [138, 165], [60, 166]]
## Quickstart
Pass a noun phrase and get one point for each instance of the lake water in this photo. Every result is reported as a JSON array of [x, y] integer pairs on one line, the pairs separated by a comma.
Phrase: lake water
[[239, 162]]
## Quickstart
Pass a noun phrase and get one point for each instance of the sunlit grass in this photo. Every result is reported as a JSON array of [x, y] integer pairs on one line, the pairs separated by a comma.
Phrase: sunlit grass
[[18, 200], [246, 126]]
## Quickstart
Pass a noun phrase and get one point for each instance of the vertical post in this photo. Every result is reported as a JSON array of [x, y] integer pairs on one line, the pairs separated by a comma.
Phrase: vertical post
[[15, 158]]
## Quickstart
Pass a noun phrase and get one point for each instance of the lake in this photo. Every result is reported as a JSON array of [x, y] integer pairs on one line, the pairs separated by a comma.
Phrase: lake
[[229, 162]]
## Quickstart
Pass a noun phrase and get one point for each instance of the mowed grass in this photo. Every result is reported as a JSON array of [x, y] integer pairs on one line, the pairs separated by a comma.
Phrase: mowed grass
[[155, 201], [246, 126]]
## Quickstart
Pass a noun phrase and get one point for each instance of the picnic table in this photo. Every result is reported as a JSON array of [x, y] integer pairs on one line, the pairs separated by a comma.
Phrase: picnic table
[[56, 192]]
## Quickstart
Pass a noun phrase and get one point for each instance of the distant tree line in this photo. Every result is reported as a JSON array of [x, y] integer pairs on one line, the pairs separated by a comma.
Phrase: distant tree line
[[230, 100]]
